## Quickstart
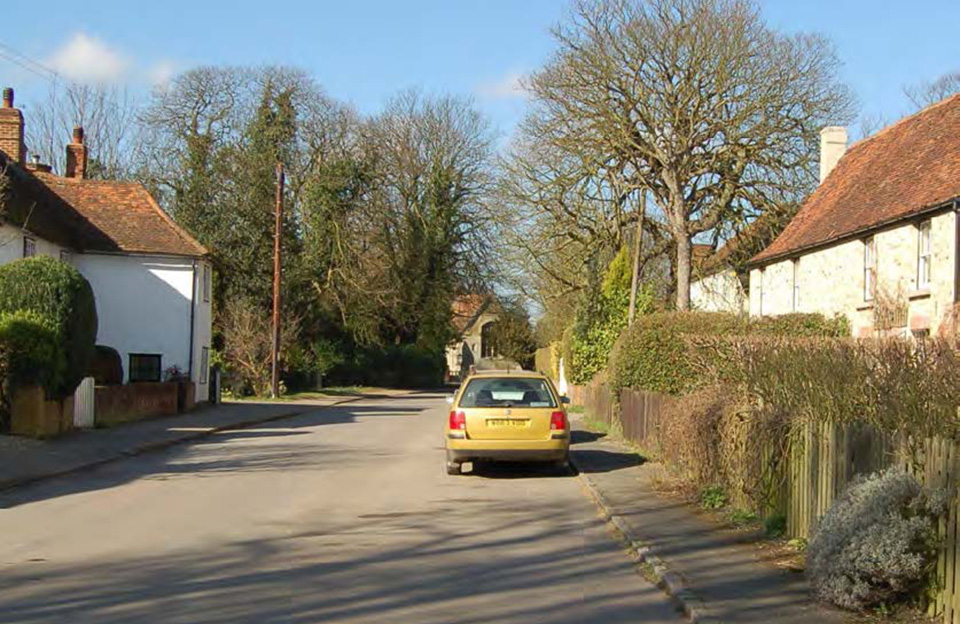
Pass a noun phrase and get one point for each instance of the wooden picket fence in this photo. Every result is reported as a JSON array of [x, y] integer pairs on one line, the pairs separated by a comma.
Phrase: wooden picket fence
[[823, 461]]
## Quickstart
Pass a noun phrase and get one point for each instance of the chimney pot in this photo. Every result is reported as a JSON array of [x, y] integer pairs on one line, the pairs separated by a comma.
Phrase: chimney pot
[[7, 97], [78, 134], [833, 145]]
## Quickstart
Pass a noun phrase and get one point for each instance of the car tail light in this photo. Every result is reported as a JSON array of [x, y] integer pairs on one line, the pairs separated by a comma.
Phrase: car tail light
[[558, 421], [458, 421]]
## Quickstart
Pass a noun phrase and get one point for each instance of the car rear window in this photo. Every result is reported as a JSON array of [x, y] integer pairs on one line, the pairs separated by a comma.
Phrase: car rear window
[[507, 392]]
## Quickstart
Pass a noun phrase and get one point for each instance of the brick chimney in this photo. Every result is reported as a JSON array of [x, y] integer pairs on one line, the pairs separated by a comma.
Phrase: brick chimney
[[833, 145], [11, 130], [76, 156]]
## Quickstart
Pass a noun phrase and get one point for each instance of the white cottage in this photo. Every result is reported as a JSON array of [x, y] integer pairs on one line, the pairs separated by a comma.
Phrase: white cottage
[[151, 279], [878, 240]]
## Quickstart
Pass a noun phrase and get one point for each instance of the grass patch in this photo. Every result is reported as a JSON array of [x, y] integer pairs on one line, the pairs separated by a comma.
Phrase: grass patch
[[325, 393], [597, 426], [576, 409]]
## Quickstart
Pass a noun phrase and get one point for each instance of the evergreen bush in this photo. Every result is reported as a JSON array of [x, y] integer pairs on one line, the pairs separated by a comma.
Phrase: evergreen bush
[[30, 353], [57, 292]]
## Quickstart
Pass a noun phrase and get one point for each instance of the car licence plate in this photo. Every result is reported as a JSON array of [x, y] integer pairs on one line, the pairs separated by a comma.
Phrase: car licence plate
[[516, 423]]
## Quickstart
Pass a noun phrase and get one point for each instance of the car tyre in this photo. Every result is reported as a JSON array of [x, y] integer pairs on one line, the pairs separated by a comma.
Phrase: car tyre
[[453, 468]]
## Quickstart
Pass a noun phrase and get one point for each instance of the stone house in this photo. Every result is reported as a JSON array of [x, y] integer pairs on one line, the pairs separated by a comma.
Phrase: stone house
[[474, 317], [877, 241], [151, 279]]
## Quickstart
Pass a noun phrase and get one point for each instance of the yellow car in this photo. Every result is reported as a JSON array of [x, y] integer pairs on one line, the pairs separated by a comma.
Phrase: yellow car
[[515, 416]]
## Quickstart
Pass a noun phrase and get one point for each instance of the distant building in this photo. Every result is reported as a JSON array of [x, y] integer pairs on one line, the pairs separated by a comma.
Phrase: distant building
[[151, 279], [878, 240], [474, 317]]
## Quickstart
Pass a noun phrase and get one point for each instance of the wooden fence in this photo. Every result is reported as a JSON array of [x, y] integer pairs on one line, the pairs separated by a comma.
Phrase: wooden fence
[[823, 460]]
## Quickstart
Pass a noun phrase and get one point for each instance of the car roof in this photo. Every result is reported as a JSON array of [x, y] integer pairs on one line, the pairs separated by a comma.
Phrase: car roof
[[522, 374]]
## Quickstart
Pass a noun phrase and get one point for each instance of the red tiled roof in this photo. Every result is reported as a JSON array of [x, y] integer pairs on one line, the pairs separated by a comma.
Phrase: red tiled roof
[[910, 167], [123, 213], [467, 309]]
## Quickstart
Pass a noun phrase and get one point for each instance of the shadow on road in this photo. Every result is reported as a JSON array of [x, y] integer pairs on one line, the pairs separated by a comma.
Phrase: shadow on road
[[194, 457], [518, 470], [580, 436], [597, 461]]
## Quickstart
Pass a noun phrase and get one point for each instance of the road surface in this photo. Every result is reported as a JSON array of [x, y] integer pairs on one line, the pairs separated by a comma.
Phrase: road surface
[[338, 515]]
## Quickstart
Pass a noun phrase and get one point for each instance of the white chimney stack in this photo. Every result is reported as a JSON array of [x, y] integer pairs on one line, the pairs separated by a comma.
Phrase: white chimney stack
[[833, 145]]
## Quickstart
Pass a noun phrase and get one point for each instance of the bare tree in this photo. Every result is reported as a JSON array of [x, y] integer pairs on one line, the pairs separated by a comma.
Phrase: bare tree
[[923, 94], [696, 100], [108, 115]]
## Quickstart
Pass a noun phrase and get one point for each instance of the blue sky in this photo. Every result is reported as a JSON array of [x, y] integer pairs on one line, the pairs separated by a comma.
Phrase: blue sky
[[362, 51]]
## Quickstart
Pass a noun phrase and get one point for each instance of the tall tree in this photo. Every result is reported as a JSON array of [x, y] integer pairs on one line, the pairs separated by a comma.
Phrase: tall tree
[[697, 101]]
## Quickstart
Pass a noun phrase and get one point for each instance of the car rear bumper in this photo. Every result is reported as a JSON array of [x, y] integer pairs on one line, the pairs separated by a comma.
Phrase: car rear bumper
[[508, 450]]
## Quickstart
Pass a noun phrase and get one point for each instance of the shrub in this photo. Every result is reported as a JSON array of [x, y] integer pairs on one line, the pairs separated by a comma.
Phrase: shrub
[[31, 353], [107, 367], [59, 293], [392, 366], [877, 543], [600, 318]]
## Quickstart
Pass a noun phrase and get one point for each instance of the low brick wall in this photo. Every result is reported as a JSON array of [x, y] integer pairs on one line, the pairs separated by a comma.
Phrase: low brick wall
[[32, 415], [136, 401]]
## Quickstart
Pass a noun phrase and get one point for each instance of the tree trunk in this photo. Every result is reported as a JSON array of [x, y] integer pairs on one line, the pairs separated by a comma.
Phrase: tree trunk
[[683, 270], [637, 244]]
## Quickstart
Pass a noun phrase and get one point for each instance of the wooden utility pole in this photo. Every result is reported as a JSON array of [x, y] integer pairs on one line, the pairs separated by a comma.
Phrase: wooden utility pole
[[277, 268], [637, 242]]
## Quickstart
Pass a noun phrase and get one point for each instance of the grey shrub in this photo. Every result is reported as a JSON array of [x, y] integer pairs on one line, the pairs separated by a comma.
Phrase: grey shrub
[[877, 544]]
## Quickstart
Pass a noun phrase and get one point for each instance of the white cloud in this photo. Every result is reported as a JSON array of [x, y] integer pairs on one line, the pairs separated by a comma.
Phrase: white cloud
[[87, 59], [506, 88], [161, 74]]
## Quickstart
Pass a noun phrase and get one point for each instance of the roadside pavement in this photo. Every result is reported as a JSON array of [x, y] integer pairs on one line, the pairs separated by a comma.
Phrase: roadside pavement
[[720, 576], [27, 460]]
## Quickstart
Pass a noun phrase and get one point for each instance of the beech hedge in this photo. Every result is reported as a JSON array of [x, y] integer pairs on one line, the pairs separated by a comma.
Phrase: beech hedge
[[655, 353]]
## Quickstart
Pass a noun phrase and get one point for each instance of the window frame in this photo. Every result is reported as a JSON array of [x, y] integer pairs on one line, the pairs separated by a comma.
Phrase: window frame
[[29, 243], [762, 271], [869, 268], [795, 304], [207, 279], [65, 256], [924, 258], [204, 364], [131, 367]]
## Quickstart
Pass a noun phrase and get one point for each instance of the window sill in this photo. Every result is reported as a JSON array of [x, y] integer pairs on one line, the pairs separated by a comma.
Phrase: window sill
[[918, 294], [865, 306]]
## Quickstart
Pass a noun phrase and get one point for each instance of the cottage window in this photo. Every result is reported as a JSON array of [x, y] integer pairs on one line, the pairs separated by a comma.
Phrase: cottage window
[[29, 247], [145, 367], [204, 364], [924, 255], [869, 268], [796, 286], [206, 282], [760, 292]]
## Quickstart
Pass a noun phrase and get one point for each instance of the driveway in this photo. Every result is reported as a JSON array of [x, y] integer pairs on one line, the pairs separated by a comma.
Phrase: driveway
[[341, 514]]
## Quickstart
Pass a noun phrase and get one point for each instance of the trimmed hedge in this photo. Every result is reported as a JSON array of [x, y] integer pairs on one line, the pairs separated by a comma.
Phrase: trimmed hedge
[[57, 291], [30, 354], [654, 353]]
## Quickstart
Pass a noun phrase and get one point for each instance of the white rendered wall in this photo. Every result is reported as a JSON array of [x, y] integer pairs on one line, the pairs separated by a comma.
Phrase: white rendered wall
[[11, 244], [143, 305], [720, 292]]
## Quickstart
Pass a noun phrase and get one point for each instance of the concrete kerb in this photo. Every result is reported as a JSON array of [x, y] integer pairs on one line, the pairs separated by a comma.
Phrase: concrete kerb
[[668, 582], [151, 447]]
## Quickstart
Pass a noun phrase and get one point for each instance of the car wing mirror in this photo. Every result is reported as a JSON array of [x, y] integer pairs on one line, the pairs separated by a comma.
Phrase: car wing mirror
[[565, 400]]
